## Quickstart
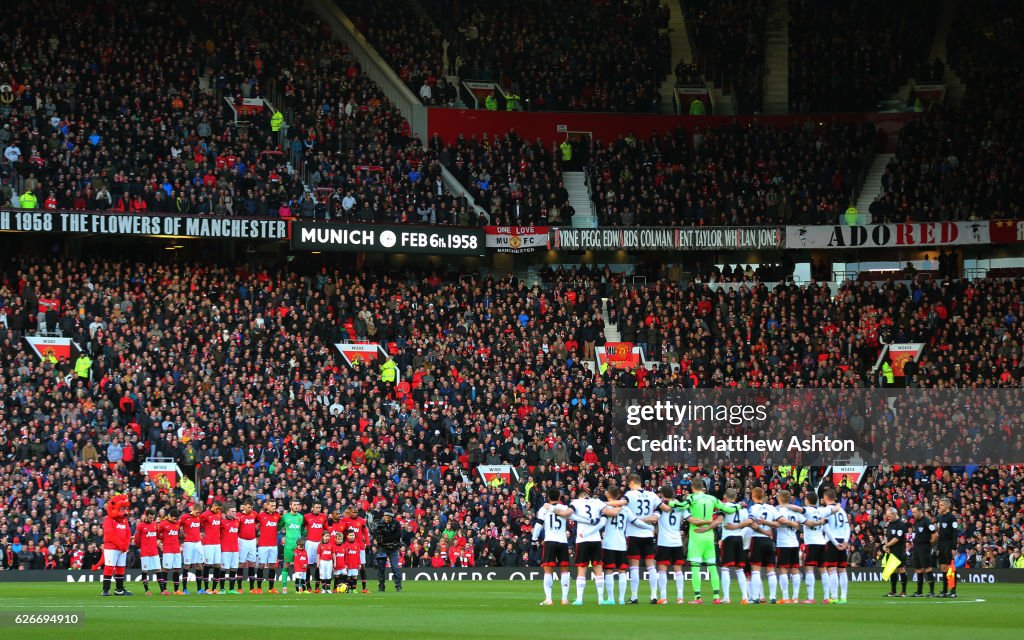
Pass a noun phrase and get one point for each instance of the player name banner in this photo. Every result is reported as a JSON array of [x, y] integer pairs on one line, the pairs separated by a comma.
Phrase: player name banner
[[914, 234], [360, 352], [847, 475], [516, 239], [489, 472], [667, 238], [314, 236], [57, 347], [901, 354], [163, 474], [619, 355], [138, 224], [496, 574], [1006, 231]]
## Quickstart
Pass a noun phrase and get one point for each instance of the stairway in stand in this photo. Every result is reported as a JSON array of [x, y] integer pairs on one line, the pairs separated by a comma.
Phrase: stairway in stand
[[579, 197], [872, 186], [776, 60], [681, 50]]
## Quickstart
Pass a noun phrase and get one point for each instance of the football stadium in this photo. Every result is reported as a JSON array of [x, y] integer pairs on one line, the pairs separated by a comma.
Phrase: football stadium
[[511, 318]]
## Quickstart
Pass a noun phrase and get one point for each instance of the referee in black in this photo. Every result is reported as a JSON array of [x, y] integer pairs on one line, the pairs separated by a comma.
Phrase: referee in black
[[948, 527], [896, 544], [925, 536]]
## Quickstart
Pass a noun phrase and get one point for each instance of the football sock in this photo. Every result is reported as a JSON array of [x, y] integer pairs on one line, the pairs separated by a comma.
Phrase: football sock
[[623, 581], [715, 584], [609, 587], [662, 585], [844, 583], [270, 577], [599, 581], [695, 580], [826, 586], [634, 582], [549, 579], [930, 576], [755, 584], [362, 576], [795, 577], [903, 582], [784, 585], [119, 582], [680, 584], [581, 586], [810, 584], [652, 580], [834, 586], [161, 578], [106, 583], [726, 583], [351, 583], [566, 580], [744, 587], [145, 582], [773, 584]]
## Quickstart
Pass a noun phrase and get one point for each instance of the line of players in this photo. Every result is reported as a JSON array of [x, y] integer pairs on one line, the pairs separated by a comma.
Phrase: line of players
[[614, 536], [225, 547]]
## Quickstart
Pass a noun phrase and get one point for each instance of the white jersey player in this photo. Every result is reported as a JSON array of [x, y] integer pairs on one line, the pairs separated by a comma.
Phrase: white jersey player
[[837, 534], [614, 545], [640, 542], [588, 542], [735, 535]]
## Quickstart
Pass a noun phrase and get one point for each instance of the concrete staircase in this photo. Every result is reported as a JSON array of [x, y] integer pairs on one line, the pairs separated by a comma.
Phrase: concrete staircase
[[579, 198], [955, 89], [872, 185], [776, 60], [681, 49], [611, 332]]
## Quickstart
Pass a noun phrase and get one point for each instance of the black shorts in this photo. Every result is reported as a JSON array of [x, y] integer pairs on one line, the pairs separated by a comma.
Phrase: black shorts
[[921, 557], [640, 548], [614, 560], [762, 552], [733, 553], [787, 557], [555, 554], [834, 557], [945, 552], [670, 556], [814, 555], [588, 553]]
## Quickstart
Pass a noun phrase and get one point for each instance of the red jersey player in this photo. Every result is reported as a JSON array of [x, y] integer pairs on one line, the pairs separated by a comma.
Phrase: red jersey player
[[352, 551], [212, 520], [147, 538], [340, 567], [192, 549], [300, 562], [325, 562], [170, 540], [266, 546], [247, 556], [229, 551], [316, 524], [353, 523]]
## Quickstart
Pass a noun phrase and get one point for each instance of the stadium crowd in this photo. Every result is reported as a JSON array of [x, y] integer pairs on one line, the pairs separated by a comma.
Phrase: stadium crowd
[[751, 174], [958, 164], [231, 373], [729, 39], [577, 55]]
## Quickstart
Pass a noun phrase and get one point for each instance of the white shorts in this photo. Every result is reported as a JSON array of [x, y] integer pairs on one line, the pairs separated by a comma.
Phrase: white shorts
[[353, 573], [300, 575], [266, 555], [247, 550], [192, 553], [211, 553], [340, 572], [362, 556], [325, 568], [312, 549], [229, 559], [172, 561], [150, 563], [114, 558]]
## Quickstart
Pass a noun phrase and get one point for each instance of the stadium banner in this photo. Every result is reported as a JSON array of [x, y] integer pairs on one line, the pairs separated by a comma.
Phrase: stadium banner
[[489, 472], [319, 236], [847, 476], [516, 239], [57, 347], [686, 95], [1006, 231], [901, 354], [141, 224], [667, 239], [363, 352], [914, 234], [619, 355], [923, 96], [496, 574], [163, 474], [813, 427]]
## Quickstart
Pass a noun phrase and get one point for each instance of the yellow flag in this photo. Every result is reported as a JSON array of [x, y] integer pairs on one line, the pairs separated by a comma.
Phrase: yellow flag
[[951, 576], [889, 565]]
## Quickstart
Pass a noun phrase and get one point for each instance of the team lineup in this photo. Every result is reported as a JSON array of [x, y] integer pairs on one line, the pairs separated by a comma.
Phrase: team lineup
[[223, 547], [745, 540]]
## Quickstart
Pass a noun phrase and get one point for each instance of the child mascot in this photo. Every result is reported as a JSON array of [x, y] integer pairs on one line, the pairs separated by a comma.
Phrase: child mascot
[[117, 536]]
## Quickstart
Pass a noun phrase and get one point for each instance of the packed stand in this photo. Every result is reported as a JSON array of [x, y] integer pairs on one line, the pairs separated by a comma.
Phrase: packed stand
[[517, 182], [230, 373], [577, 55], [732, 175], [729, 39], [89, 125], [959, 164], [409, 43], [849, 56]]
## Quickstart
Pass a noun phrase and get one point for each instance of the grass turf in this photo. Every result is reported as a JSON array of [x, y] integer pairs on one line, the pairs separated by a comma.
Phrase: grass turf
[[493, 610]]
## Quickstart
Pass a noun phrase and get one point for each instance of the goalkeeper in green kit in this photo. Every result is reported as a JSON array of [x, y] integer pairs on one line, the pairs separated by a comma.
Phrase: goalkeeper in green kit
[[294, 527], [699, 506]]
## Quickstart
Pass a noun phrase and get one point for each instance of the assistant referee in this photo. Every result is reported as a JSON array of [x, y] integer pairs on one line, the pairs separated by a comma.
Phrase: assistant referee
[[948, 528]]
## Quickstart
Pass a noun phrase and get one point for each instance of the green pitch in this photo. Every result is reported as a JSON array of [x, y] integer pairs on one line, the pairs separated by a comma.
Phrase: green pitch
[[492, 610]]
